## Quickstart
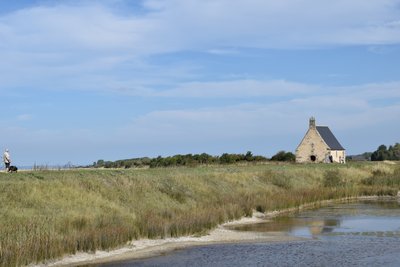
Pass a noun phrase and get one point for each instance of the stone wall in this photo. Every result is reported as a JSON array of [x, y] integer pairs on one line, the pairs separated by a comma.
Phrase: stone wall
[[312, 145], [338, 156]]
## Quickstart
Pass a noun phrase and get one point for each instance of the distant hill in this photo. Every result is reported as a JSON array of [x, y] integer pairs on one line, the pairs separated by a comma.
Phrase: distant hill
[[361, 157]]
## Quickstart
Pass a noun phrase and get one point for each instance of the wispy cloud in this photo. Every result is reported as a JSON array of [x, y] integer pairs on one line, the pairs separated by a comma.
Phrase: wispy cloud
[[219, 51], [79, 43], [243, 89], [238, 89], [272, 24], [176, 25]]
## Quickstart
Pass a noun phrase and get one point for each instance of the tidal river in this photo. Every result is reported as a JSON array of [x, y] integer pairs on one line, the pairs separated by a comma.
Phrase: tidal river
[[365, 233]]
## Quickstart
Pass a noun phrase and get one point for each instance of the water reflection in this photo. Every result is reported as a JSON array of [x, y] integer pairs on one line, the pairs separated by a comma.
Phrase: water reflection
[[348, 218], [297, 226]]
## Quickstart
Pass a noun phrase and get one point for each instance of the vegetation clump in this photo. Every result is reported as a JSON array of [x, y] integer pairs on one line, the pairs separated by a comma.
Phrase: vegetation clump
[[284, 156], [384, 153], [381, 178], [332, 178], [188, 160]]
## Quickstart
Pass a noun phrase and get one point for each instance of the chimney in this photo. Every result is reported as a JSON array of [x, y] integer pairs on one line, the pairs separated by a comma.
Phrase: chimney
[[312, 122]]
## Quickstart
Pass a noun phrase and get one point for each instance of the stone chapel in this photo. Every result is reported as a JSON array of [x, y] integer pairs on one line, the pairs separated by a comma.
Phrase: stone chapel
[[320, 145]]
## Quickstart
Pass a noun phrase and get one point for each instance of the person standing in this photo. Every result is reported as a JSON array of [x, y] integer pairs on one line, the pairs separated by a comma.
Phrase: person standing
[[7, 160]]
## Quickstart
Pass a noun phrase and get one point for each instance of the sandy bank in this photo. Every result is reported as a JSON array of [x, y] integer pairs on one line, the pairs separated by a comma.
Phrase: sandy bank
[[143, 248], [152, 247]]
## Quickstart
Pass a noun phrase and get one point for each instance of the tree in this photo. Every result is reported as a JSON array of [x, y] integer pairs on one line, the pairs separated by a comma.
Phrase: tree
[[100, 163], [283, 156], [226, 159], [180, 160], [249, 156], [383, 153]]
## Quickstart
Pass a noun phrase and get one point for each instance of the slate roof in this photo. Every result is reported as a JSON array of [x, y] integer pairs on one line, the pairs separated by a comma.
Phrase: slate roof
[[329, 138]]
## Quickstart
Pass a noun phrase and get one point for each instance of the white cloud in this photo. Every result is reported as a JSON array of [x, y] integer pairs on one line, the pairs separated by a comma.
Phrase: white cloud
[[350, 110], [223, 52], [190, 24], [80, 43], [238, 89], [352, 104], [373, 91], [280, 24], [351, 96], [63, 28]]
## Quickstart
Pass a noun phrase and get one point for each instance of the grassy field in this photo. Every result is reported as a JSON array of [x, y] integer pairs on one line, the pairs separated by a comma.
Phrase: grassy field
[[47, 214]]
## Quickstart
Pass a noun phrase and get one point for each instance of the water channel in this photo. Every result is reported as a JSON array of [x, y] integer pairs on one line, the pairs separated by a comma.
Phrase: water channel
[[363, 233]]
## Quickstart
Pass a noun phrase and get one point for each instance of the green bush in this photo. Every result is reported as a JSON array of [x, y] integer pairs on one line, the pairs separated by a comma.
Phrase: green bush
[[284, 156]]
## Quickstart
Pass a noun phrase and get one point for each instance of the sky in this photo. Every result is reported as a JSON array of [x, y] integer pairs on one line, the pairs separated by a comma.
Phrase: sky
[[115, 79]]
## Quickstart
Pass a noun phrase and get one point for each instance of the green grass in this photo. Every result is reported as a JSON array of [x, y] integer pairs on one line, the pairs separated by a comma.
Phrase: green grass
[[47, 214]]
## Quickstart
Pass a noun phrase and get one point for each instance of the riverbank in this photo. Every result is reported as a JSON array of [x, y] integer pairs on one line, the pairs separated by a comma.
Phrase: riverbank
[[48, 214], [355, 233], [145, 248]]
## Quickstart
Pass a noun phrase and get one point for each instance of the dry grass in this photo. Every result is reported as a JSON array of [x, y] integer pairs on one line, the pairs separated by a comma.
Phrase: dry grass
[[47, 214]]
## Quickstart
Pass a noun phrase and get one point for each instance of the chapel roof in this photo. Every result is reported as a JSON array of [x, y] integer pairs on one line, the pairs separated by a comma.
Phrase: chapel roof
[[329, 138]]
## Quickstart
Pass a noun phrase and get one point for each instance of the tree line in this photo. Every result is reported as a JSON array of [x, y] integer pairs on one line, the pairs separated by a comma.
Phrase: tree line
[[191, 160], [385, 153]]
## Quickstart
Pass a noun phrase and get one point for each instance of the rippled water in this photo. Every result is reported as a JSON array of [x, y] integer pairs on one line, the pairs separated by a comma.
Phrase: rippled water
[[354, 234]]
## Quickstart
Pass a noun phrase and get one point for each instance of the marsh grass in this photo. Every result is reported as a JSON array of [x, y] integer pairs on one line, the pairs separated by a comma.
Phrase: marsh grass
[[383, 178], [47, 214]]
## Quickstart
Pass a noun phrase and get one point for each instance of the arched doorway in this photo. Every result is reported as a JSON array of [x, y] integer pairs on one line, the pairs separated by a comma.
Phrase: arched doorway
[[313, 158]]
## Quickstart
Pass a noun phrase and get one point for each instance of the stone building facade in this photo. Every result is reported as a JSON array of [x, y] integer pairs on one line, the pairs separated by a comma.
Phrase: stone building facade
[[320, 145]]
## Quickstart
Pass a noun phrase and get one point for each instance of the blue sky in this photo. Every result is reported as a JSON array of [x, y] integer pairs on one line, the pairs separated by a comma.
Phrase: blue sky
[[88, 80]]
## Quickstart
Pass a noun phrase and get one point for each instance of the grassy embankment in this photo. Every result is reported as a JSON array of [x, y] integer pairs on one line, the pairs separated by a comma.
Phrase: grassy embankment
[[47, 214]]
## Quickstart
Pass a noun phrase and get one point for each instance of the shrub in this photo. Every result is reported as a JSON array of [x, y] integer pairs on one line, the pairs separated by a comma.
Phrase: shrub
[[284, 156], [332, 179]]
